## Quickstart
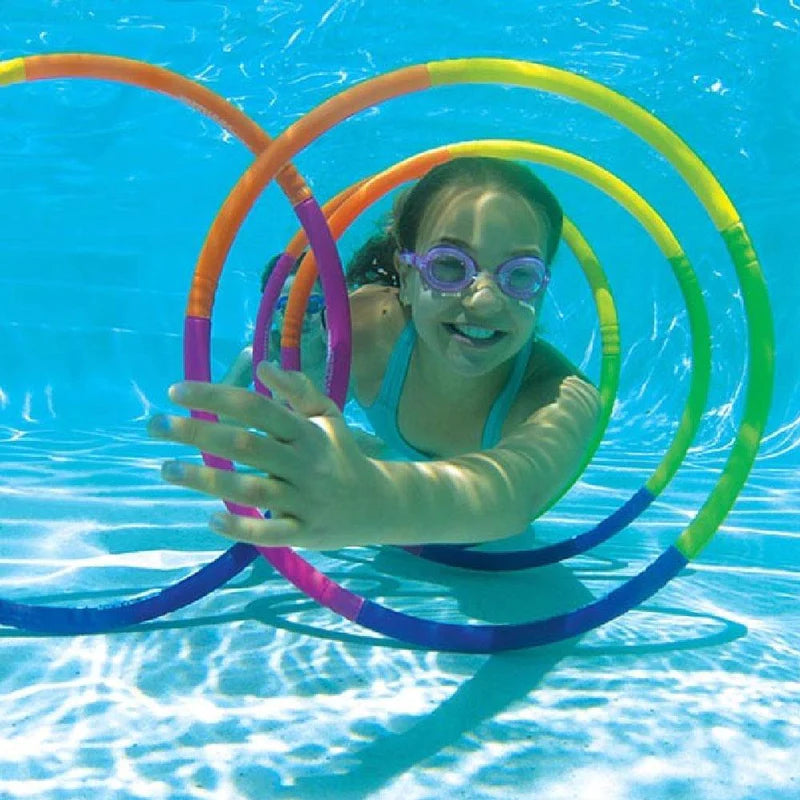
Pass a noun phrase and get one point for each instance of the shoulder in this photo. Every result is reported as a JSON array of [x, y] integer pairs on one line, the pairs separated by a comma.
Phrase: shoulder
[[373, 301], [549, 373], [378, 318]]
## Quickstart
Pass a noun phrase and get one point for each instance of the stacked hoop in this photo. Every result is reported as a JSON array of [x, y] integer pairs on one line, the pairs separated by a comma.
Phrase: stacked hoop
[[321, 227]]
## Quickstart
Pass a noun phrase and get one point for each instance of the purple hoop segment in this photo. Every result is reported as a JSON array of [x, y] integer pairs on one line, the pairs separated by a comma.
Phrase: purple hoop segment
[[334, 288], [197, 331], [508, 560], [496, 638], [57, 620]]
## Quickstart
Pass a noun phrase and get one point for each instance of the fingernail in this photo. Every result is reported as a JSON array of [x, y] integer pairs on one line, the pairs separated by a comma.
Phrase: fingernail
[[159, 425], [270, 367], [218, 523], [178, 391], [173, 471]]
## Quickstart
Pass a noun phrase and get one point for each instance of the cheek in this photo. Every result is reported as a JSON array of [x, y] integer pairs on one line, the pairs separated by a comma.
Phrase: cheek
[[530, 317], [431, 308], [409, 288], [525, 322]]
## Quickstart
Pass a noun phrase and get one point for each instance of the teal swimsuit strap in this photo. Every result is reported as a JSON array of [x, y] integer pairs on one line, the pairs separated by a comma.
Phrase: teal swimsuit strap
[[397, 368], [493, 430]]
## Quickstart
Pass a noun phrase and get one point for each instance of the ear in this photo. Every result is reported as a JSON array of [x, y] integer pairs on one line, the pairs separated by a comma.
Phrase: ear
[[403, 274]]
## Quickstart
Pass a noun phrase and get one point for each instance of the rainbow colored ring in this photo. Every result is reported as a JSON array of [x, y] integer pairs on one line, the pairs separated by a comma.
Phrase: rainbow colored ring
[[342, 211], [491, 638]]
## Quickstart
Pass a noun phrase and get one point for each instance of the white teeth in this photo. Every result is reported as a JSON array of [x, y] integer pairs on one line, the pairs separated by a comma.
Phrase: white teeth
[[474, 332]]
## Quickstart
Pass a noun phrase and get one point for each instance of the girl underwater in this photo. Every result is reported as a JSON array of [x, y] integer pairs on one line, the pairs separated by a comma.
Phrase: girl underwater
[[490, 420]]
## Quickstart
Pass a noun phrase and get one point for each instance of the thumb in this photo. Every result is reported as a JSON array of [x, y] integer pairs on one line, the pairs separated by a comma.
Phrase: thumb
[[297, 389]]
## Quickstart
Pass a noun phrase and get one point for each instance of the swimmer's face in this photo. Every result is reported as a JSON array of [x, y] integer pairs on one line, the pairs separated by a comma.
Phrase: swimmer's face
[[313, 339], [479, 328]]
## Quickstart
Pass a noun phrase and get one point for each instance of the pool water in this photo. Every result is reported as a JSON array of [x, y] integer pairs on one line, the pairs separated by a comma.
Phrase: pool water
[[254, 691]]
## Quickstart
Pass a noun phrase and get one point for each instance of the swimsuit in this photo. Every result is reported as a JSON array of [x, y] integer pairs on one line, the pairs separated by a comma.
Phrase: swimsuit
[[382, 413]]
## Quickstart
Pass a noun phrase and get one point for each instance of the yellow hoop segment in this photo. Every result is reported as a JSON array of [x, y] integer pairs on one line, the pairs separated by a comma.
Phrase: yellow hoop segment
[[12, 71]]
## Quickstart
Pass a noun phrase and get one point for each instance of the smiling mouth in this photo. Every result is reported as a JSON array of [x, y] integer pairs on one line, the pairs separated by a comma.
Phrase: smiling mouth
[[475, 334]]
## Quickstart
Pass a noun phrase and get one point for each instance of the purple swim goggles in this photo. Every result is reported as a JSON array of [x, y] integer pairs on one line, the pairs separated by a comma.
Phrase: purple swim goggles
[[449, 269], [316, 305]]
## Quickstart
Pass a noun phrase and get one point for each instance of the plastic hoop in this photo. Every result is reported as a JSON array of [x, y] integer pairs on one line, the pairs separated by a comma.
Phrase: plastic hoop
[[489, 638]]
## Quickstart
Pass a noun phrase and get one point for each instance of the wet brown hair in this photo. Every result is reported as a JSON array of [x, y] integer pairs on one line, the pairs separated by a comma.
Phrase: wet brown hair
[[374, 261]]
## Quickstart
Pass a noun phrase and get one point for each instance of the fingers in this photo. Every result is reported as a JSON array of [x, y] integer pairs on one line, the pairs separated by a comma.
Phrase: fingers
[[282, 532], [264, 453], [282, 443], [298, 390], [284, 528], [256, 491], [246, 407]]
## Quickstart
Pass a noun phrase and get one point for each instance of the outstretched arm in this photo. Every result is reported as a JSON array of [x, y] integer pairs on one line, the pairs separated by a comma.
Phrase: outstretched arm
[[497, 492], [325, 493]]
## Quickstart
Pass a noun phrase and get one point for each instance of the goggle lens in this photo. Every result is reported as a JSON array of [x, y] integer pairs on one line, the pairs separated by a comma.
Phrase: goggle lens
[[449, 269], [316, 303], [524, 277]]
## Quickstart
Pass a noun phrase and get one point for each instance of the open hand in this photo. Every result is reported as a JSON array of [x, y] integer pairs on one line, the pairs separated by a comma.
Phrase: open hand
[[321, 490]]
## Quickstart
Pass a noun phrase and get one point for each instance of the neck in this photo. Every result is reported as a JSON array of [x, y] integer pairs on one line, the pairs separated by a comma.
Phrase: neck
[[442, 382]]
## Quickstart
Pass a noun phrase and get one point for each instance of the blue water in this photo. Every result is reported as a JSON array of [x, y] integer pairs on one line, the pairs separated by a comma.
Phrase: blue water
[[106, 197]]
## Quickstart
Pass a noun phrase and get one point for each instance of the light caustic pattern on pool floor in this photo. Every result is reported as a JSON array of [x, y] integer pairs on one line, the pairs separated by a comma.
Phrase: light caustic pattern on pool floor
[[694, 694]]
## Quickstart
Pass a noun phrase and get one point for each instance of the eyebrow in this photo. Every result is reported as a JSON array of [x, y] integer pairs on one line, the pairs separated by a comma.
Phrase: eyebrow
[[525, 251]]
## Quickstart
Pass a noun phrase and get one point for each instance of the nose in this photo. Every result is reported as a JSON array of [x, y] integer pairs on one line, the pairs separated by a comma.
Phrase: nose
[[483, 295]]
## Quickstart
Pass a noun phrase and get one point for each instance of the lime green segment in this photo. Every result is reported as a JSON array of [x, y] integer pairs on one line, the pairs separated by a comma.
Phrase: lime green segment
[[605, 100], [700, 328], [12, 71], [609, 334], [761, 372]]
